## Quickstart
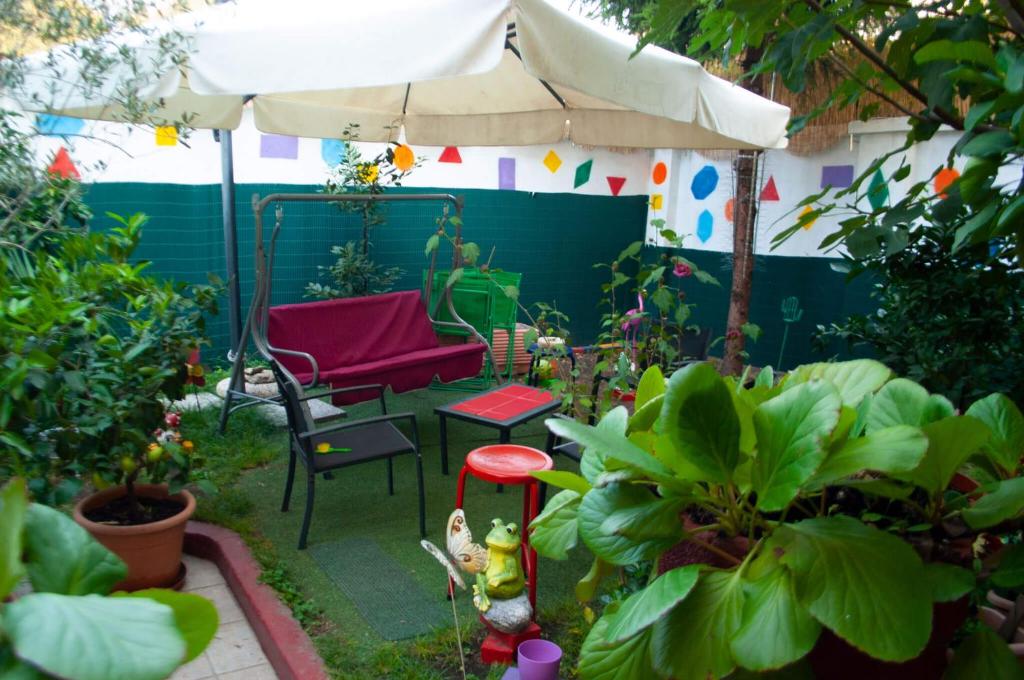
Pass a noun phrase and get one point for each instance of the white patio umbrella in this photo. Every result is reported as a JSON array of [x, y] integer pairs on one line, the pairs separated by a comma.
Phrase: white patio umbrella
[[452, 72]]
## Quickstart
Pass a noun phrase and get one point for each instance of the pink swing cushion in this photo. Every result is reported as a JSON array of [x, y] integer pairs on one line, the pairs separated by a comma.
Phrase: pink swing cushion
[[386, 339]]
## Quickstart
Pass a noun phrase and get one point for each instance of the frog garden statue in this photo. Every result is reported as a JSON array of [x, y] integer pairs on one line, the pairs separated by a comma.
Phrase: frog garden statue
[[500, 589]]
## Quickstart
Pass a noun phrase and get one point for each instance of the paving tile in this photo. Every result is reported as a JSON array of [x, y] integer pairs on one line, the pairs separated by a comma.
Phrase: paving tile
[[262, 672], [201, 573], [235, 647], [198, 668], [224, 601]]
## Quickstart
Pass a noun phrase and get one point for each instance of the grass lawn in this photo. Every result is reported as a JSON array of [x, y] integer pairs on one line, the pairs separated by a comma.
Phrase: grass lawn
[[249, 464]]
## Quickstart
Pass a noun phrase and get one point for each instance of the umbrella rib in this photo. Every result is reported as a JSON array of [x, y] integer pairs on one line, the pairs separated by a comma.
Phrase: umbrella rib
[[405, 103], [547, 86]]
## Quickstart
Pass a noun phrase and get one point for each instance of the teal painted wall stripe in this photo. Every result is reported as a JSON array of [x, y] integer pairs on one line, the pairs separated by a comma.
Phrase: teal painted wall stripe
[[552, 239]]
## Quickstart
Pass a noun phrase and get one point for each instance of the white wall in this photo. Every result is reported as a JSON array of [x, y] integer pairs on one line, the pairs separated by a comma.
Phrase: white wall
[[141, 159], [795, 178]]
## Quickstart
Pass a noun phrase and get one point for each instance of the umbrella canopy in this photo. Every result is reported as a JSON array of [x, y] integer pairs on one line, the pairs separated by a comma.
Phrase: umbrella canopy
[[467, 72]]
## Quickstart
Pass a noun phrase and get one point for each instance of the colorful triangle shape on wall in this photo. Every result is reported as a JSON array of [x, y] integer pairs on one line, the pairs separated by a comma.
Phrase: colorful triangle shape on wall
[[63, 166], [769, 192], [615, 184], [450, 155]]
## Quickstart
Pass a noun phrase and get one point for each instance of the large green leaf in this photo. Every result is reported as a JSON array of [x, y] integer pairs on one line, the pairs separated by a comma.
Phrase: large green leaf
[[586, 587], [777, 630], [867, 585], [95, 638], [853, 379], [592, 459], [904, 402], [894, 449], [657, 520], [627, 661], [651, 385], [948, 581], [645, 416], [1006, 423], [194, 615], [700, 420], [1002, 501], [951, 441], [984, 655], [64, 558], [692, 642], [598, 505], [644, 607], [563, 479], [1010, 572], [611, 446], [792, 430], [553, 532], [13, 506]]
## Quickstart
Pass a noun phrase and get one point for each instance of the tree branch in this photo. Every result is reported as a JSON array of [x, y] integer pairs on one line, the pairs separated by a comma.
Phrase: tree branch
[[877, 59]]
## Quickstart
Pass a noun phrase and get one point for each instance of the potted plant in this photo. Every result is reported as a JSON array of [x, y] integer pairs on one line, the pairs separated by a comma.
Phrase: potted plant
[[62, 621], [92, 349], [805, 523], [143, 523]]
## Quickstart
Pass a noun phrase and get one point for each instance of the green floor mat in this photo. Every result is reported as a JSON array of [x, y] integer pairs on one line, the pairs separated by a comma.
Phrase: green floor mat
[[389, 599]]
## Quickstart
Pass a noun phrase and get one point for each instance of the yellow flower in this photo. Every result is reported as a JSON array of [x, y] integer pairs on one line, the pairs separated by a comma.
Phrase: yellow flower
[[368, 173], [195, 370], [154, 445], [323, 448], [187, 446]]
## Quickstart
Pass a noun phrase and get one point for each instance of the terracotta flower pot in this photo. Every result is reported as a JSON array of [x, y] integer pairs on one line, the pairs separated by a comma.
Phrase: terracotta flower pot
[[151, 551]]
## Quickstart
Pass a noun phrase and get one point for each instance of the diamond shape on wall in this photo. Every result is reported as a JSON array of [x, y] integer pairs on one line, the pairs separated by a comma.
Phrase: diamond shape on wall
[[582, 174], [705, 225], [552, 162]]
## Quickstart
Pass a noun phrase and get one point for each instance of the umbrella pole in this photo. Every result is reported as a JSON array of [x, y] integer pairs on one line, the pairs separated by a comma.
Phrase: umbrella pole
[[227, 197]]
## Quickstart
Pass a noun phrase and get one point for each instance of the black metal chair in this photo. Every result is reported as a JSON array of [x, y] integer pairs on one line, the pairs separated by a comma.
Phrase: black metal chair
[[367, 439]]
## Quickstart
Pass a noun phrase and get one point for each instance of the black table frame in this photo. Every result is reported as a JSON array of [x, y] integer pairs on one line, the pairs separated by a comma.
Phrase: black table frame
[[504, 427]]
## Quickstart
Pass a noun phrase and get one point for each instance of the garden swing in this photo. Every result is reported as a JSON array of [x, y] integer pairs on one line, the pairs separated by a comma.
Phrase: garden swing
[[360, 345]]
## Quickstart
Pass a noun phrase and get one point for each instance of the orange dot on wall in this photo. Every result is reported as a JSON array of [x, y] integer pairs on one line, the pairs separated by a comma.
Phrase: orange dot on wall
[[659, 173], [404, 158], [943, 179], [729, 208]]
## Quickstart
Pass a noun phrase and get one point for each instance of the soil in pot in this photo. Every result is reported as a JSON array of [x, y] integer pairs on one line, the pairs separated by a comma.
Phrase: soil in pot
[[119, 511], [151, 550]]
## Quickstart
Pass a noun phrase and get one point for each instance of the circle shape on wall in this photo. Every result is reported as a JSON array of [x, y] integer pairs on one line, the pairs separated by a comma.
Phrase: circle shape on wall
[[659, 173], [404, 157], [943, 179], [704, 182], [730, 206]]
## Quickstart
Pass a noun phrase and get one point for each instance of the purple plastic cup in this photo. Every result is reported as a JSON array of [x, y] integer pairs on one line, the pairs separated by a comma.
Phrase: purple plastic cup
[[538, 660]]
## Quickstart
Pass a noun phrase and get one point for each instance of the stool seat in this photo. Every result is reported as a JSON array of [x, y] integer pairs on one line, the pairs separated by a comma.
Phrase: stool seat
[[507, 463]]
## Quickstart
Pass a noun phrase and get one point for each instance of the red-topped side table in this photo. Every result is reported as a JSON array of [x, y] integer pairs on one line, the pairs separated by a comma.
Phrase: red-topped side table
[[509, 464], [502, 408]]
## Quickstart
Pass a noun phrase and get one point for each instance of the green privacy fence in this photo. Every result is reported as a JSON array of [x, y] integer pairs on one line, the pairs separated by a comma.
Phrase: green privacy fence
[[552, 239]]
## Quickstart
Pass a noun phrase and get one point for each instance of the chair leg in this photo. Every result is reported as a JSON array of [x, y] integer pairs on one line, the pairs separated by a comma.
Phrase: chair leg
[[419, 484], [391, 478], [310, 491], [291, 478]]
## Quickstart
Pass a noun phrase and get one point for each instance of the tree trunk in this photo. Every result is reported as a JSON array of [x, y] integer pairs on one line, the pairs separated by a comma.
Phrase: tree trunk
[[743, 241]]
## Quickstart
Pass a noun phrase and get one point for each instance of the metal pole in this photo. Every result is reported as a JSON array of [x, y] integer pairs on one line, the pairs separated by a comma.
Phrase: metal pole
[[227, 197]]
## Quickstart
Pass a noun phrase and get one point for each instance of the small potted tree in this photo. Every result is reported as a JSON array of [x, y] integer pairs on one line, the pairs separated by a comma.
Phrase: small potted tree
[[93, 349], [807, 524]]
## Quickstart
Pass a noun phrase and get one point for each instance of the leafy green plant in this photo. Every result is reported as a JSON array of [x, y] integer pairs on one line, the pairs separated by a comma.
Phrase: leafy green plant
[[90, 345], [948, 319], [828, 499], [354, 273], [67, 624]]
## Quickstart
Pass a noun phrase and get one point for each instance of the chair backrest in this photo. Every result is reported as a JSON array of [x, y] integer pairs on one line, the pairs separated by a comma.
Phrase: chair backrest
[[694, 344], [351, 331], [300, 418]]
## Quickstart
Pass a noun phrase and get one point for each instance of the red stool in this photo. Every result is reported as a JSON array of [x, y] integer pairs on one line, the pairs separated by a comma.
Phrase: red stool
[[511, 464]]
